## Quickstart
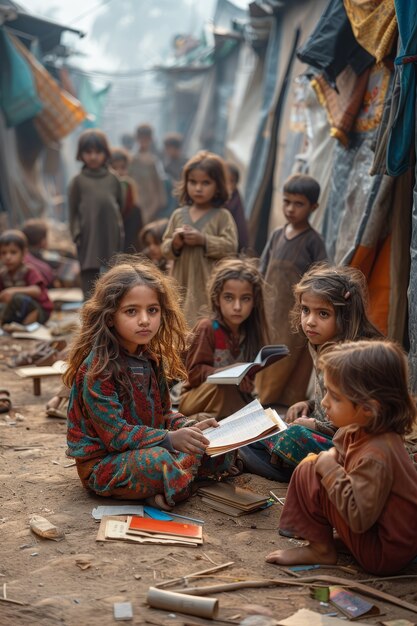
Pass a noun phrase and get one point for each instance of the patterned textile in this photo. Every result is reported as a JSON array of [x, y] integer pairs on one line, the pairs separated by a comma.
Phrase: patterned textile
[[343, 105], [119, 441], [293, 445], [374, 25], [61, 113]]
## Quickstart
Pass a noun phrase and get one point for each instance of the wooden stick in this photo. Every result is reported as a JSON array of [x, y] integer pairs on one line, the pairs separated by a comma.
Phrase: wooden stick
[[174, 581], [330, 580]]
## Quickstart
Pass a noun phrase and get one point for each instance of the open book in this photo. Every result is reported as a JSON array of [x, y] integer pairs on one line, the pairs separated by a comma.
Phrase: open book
[[252, 423], [234, 374]]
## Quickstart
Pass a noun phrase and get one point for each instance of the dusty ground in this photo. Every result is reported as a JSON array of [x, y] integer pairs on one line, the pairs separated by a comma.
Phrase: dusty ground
[[76, 581]]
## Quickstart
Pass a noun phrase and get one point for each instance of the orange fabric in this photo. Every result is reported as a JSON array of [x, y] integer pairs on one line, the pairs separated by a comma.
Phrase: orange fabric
[[375, 264]]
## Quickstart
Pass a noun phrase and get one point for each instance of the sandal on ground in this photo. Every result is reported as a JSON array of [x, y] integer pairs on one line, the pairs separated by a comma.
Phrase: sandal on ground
[[5, 402], [45, 353]]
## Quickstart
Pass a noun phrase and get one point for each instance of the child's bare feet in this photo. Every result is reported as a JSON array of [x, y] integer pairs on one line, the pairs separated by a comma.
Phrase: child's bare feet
[[313, 553], [159, 502]]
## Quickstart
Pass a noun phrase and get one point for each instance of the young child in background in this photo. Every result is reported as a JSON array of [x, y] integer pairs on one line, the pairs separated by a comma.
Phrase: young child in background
[[200, 232], [36, 232], [23, 294], [173, 162], [147, 171], [366, 486], [235, 332], [126, 440], [151, 240], [330, 306], [235, 206], [131, 213], [290, 251], [95, 203]]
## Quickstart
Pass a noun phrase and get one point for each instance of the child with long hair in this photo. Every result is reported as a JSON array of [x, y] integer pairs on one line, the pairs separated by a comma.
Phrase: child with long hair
[[200, 232], [95, 203], [235, 332], [365, 487], [122, 433], [330, 307]]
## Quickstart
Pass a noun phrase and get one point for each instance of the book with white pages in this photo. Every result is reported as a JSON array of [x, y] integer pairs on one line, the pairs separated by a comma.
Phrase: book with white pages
[[249, 424]]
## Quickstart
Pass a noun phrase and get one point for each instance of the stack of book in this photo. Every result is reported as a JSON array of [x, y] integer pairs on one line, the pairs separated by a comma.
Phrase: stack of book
[[146, 530], [232, 500]]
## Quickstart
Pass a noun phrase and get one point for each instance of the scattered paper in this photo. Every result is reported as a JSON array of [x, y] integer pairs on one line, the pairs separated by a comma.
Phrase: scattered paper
[[305, 617], [117, 509]]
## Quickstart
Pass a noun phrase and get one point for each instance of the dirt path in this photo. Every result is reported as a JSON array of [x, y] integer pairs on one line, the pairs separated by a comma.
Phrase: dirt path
[[76, 581]]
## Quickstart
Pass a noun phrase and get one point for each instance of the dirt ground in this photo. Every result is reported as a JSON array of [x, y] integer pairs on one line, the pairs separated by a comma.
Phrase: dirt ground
[[76, 581]]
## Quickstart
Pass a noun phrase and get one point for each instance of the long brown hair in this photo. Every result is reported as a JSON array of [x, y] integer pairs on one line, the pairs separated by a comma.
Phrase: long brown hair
[[377, 371], [346, 290], [214, 167], [96, 334], [255, 326]]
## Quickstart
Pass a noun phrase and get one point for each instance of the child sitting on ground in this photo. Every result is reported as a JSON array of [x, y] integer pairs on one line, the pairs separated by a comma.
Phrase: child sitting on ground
[[366, 486], [122, 433], [23, 295], [235, 332], [36, 231]]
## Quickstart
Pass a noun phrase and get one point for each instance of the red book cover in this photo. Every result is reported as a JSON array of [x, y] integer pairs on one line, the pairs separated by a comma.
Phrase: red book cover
[[139, 524]]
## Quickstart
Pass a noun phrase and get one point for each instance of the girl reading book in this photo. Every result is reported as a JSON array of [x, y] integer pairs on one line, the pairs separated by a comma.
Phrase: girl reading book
[[330, 306], [234, 332], [365, 486], [122, 433]]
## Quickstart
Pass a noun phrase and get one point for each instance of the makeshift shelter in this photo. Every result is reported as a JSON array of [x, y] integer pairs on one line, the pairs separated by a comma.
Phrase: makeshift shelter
[[35, 111]]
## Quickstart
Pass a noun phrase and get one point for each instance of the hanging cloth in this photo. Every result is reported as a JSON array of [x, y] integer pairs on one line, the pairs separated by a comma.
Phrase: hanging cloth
[[401, 132], [18, 97], [61, 113], [374, 25]]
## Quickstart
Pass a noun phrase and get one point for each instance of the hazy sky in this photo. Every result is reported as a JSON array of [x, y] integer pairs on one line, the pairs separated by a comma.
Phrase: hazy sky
[[81, 14]]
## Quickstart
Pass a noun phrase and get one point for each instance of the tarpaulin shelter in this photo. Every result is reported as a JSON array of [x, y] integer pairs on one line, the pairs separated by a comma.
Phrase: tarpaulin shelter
[[34, 111]]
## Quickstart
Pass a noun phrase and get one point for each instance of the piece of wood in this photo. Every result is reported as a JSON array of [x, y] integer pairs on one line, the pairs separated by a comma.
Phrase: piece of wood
[[180, 579], [306, 580]]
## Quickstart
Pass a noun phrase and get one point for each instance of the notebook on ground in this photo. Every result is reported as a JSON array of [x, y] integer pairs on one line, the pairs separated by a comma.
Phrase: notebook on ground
[[154, 526], [230, 495]]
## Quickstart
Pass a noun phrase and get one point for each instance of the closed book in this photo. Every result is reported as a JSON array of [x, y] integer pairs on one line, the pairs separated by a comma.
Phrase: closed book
[[234, 374], [228, 494], [148, 525]]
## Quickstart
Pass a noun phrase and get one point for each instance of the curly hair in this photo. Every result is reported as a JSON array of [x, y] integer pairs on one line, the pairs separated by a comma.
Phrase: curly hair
[[377, 371], [256, 325], [214, 167], [346, 290], [96, 334]]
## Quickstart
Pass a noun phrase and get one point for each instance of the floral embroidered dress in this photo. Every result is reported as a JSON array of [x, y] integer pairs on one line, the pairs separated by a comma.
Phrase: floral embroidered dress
[[120, 440]]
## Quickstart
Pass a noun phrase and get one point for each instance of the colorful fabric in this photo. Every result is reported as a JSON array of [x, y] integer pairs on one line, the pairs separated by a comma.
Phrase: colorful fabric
[[374, 25], [193, 265], [360, 494], [117, 439], [295, 443], [61, 113], [342, 106]]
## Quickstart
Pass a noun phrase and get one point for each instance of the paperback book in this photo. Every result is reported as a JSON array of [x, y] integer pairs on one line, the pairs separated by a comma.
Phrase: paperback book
[[234, 374]]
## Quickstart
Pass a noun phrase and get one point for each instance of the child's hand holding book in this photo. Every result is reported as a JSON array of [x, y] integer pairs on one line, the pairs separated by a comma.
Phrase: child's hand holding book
[[190, 440]]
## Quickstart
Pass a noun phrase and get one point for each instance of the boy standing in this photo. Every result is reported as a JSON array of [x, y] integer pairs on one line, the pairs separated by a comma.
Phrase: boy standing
[[131, 213], [23, 295], [288, 254]]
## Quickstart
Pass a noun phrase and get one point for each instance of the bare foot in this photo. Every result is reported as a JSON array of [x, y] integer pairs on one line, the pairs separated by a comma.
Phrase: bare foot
[[312, 554], [159, 502]]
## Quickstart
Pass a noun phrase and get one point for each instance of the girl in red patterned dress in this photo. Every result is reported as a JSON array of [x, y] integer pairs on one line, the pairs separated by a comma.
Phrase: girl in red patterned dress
[[122, 433], [235, 332]]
